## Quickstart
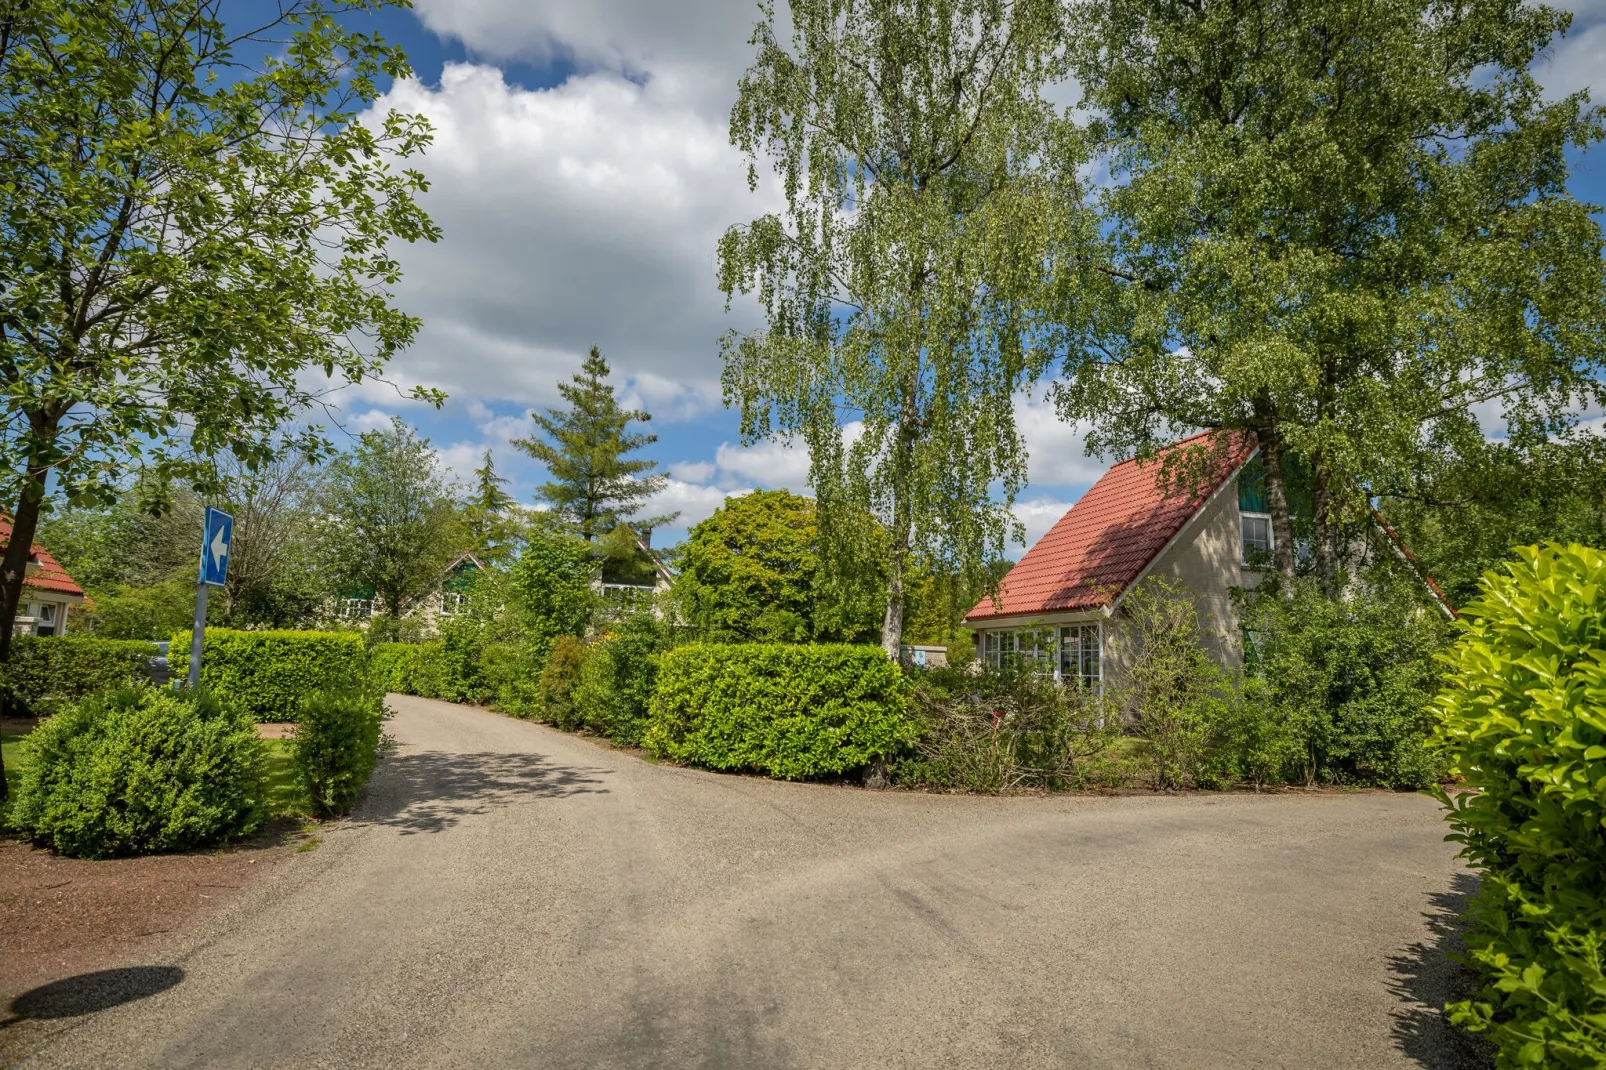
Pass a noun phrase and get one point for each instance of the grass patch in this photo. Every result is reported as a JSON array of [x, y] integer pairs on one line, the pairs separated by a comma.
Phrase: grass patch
[[285, 795], [11, 749]]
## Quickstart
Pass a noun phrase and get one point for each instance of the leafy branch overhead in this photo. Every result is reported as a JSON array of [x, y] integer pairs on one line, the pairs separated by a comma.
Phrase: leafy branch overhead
[[196, 230]]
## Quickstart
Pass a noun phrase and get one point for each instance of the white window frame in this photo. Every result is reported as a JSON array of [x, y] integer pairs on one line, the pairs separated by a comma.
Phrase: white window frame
[[1095, 682], [1243, 541], [993, 647]]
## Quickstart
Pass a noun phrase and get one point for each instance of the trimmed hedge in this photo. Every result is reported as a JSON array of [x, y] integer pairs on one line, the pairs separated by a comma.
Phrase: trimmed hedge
[[407, 668], [135, 770], [266, 673], [336, 742], [1525, 716], [47, 671], [788, 711]]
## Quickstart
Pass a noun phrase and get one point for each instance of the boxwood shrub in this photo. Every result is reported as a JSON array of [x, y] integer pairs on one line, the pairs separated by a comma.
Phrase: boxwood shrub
[[788, 711], [46, 672], [1524, 714], [136, 770], [336, 741], [266, 673]]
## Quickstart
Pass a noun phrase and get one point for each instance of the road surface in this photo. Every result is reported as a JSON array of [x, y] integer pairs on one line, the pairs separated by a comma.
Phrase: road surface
[[511, 896]]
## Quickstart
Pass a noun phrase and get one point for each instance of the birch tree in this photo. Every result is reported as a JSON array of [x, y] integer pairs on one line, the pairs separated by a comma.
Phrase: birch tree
[[930, 197]]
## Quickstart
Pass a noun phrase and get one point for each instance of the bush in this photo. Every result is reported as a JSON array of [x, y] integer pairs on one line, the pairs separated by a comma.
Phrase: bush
[[135, 770], [513, 673], [618, 677], [462, 662], [406, 668], [1249, 741], [46, 672], [1353, 677], [337, 737], [1524, 716], [788, 711], [266, 673], [995, 732], [1175, 693], [559, 679]]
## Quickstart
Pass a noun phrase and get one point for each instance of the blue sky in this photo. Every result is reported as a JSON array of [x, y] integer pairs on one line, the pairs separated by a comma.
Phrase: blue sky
[[581, 174]]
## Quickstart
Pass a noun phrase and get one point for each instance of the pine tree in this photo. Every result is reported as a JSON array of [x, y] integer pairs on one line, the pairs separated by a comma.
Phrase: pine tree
[[491, 514], [594, 487]]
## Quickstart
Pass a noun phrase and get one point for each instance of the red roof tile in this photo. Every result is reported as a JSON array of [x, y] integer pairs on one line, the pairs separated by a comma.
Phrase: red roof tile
[[50, 576], [1108, 538]]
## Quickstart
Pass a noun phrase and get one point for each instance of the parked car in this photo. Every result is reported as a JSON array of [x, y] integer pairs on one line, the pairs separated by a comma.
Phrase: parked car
[[160, 672]]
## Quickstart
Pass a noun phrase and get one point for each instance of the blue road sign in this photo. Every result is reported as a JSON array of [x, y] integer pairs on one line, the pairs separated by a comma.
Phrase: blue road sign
[[215, 547]]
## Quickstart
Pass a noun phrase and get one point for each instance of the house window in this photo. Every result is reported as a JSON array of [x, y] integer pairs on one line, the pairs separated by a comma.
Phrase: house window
[[451, 602], [1024, 649], [1256, 529], [1081, 661], [357, 608], [47, 619]]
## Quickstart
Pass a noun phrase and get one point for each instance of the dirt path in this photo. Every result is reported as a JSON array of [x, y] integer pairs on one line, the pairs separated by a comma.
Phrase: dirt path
[[512, 896]]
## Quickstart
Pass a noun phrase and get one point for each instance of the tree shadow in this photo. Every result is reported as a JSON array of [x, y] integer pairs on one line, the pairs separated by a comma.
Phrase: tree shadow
[[434, 790], [1426, 976], [90, 992]]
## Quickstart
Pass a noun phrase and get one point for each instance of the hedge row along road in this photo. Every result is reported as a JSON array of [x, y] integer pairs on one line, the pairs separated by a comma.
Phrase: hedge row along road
[[508, 895]]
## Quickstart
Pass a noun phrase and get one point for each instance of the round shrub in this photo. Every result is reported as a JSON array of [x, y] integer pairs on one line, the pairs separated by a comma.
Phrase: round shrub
[[137, 770], [1524, 714]]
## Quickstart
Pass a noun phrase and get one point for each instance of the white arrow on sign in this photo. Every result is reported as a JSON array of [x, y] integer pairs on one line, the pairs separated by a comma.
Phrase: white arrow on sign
[[219, 547]]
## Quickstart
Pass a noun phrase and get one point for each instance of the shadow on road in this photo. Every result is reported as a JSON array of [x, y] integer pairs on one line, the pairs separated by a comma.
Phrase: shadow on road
[[434, 790], [90, 992], [1425, 978]]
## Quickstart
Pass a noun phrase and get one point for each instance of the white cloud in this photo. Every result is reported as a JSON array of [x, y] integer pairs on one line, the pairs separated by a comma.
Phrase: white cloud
[[692, 501], [696, 48], [460, 459], [1038, 515], [371, 420], [772, 463], [693, 471], [1056, 450], [583, 214], [1576, 61]]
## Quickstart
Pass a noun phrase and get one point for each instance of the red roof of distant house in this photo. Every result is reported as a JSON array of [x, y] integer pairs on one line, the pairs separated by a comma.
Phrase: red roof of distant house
[[50, 576], [1108, 538]]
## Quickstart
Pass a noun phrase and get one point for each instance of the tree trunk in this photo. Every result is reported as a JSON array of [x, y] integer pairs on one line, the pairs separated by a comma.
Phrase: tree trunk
[[14, 569], [1282, 528], [1326, 533]]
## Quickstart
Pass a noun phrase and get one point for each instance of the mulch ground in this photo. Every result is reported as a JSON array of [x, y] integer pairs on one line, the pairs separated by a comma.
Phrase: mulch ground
[[60, 917]]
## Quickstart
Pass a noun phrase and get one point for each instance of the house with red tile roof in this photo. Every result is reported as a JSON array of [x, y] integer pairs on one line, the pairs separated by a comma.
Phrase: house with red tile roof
[[48, 592], [1200, 521]]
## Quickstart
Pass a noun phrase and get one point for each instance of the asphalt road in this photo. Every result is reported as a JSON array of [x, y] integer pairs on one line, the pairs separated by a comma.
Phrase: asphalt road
[[510, 896]]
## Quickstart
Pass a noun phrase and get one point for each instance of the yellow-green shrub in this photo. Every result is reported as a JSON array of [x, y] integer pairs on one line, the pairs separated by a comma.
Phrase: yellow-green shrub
[[1524, 715], [267, 673], [407, 668], [788, 711]]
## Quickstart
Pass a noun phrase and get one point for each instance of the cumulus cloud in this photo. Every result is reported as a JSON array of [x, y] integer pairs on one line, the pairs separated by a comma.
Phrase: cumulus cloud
[[1056, 450], [693, 501], [578, 215], [1038, 515], [1576, 61]]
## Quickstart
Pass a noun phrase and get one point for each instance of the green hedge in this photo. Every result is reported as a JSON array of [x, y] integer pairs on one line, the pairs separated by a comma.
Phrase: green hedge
[[788, 711], [267, 673], [46, 672], [1524, 714], [135, 770], [407, 668]]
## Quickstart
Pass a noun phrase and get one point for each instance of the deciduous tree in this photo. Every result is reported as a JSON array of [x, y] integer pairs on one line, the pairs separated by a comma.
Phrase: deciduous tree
[[931, 197], [193, 222], [1344, 226], [390, 523]]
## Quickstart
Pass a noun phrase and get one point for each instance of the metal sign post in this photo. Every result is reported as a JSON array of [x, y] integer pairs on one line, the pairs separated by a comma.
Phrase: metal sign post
[[219, 532]]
